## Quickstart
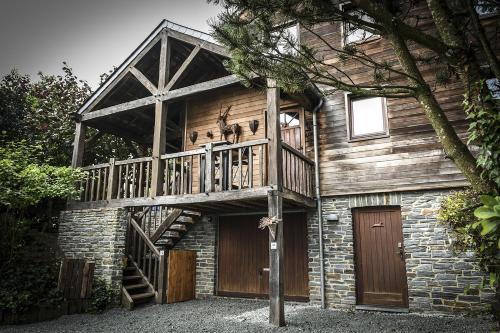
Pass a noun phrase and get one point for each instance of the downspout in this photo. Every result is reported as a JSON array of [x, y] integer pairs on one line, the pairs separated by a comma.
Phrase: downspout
[[318, 199]]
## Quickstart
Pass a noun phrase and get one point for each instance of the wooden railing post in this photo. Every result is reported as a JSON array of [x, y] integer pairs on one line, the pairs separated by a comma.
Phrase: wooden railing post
[[162, 263], [209, 168], [112, 180]]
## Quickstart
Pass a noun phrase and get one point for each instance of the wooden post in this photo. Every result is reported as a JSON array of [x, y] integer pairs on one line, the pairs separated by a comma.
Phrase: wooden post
[[159, 139], [78, 145], [162, 272], [209, 168], [159, 145], [112, 180], [275, 206]]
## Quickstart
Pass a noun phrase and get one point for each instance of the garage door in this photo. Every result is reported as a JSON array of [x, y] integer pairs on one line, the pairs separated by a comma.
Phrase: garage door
[[244, 257]]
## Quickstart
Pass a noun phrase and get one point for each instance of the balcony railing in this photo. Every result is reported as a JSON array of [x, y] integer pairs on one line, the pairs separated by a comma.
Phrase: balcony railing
[[214, 168]]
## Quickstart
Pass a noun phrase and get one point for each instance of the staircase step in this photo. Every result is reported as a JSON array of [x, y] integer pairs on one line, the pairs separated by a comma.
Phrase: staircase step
[[143, 297], [132, 287], [178, 227], [171, 234], [185, 220], [191, 213], [131, 277], [164, 242]]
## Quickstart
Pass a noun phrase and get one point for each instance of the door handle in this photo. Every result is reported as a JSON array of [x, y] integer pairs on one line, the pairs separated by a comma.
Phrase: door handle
[[401, 251]]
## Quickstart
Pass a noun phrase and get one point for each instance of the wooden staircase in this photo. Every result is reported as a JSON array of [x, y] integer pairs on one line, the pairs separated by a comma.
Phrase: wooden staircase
[[152, 231]]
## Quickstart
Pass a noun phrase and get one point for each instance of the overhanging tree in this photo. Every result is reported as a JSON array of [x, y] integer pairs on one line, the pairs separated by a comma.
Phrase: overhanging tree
[[260, 42]]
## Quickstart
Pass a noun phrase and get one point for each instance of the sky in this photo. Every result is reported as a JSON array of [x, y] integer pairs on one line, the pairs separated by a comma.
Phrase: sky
[[92, 36]]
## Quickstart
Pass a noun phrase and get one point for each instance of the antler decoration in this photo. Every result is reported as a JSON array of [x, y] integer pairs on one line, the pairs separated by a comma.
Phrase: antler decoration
[[224, 128]]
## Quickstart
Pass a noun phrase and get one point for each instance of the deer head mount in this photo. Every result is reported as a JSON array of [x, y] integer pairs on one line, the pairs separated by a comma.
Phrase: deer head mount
[[226, 129]]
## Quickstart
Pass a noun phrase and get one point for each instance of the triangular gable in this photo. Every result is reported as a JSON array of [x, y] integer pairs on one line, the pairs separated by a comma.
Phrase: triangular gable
[[155, 48]]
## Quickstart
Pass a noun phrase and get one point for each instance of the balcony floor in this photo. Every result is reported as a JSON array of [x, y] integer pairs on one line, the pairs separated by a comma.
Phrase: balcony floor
[[216, 202]]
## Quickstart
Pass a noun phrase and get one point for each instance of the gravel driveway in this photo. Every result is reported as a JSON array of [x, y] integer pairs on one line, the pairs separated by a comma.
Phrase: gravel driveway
[[237, 315]]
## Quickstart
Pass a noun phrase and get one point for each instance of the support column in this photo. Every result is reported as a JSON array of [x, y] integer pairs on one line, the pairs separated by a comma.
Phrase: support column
[[78, 145], [160, 130], [159, 146], [275, 207]]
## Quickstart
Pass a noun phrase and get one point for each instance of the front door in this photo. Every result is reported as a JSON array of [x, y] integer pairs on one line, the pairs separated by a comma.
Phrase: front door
[[379, 255], [243, 257]]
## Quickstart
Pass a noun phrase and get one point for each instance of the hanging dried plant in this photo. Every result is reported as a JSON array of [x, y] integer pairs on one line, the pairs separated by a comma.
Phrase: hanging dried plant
[[271, 223]]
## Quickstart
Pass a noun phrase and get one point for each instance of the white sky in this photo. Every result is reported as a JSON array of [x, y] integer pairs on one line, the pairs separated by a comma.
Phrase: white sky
[[91, 35]]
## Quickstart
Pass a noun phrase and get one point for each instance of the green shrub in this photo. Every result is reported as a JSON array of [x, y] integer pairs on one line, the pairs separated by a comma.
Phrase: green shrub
[[103, 296], [473, 221], [29, 266]]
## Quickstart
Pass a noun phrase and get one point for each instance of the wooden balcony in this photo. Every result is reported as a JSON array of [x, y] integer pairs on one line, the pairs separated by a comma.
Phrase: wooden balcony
[[214, 178]]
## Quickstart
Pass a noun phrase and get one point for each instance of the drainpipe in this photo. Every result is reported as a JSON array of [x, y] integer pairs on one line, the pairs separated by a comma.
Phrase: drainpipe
[[318, 200]]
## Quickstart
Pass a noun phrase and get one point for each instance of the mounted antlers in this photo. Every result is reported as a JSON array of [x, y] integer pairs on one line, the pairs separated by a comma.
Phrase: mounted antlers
[[226, 129]]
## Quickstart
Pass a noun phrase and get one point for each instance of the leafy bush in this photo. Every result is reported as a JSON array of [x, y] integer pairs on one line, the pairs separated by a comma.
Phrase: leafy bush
[[24, 182], [473, 225], [489, 222], [103, 296], [29, 266]]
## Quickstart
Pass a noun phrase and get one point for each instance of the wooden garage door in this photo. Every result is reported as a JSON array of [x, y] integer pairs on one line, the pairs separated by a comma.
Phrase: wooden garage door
[[244, 256], [380, 264]]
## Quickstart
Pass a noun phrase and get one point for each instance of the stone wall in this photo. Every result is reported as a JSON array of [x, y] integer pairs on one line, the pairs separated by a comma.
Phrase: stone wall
[[202, 239], [96, 235], [437, 278]]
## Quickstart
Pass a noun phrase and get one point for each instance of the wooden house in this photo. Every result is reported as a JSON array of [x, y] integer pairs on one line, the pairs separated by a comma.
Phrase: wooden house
[[224, 155]]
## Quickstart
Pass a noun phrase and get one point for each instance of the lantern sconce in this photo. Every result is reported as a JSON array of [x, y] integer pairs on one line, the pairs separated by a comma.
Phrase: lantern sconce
[[193, 135], [254, 125]]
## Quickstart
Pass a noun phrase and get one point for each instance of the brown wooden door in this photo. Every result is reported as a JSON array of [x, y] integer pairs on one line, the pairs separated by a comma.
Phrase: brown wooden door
[[380, 264], [181, 275], [244, 257]]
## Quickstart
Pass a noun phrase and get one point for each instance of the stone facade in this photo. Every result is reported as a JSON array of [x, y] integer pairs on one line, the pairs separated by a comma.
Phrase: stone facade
[[202, 239], [437, 278], [97, 235]]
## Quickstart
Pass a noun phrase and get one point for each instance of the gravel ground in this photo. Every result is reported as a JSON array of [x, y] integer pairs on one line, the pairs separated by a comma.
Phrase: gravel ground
[[237, 315]]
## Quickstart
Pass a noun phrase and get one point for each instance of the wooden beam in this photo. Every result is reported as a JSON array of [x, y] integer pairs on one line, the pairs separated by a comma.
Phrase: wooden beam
[[164, 70], [78, 145], [117, 76], [160, 129], [275, 206], [138, 103], [165, 96], [210, 47], [144, 80], [183, 67]]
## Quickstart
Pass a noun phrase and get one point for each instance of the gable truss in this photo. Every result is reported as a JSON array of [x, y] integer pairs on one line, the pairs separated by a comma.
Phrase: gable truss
[[161, 90]]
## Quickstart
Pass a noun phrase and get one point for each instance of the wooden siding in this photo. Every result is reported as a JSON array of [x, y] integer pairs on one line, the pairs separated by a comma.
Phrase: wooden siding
[[411, 158], [246, 105]]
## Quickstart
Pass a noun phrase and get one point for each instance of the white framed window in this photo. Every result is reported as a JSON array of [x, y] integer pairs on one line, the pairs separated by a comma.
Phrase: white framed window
[[290, 40], [485, 8], [353, 33], [366, 117]]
